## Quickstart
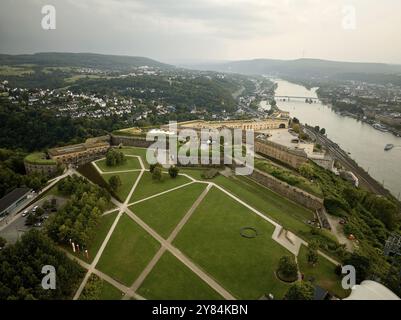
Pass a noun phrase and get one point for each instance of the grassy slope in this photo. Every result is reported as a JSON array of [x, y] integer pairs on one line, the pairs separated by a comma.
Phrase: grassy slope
[[287, 213]]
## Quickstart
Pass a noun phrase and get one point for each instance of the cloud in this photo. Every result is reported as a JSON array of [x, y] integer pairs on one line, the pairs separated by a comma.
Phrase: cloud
[[222, 29]]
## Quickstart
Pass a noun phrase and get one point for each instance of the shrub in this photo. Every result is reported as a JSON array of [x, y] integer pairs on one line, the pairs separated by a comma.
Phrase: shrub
[[287, 269], [210, 174], [300, 291], [173, 172]]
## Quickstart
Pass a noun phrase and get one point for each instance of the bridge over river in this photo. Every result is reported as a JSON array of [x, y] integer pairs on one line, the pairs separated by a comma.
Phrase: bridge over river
[[297, 97]]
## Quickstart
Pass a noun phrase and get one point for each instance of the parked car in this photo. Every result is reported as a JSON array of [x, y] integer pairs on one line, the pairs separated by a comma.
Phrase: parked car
[[35, 208], [25, 213], [38, 224]]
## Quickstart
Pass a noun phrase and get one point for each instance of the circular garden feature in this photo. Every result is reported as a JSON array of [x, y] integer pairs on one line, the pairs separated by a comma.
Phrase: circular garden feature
[[249, 232]]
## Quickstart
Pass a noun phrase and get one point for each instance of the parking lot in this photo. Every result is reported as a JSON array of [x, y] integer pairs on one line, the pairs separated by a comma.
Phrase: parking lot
[[15, 229]]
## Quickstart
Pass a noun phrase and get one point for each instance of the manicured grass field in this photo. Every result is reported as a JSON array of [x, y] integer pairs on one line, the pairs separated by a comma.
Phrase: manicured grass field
[[148, 187], [101, 232], [127, 179], [287, 213], [164, 212], [131, 163], [172, 280], [128, 252], [211, 238], [109, 292], [136, 152], [323, 273]]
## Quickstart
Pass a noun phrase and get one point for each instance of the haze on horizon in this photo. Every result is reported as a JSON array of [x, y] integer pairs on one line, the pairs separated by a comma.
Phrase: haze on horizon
[[177, 31]]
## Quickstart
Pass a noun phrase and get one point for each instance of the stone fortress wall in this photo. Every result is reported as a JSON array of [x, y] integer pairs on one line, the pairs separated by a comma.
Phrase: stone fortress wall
[[263, 124], [290, 192], [272, 150], [47, 170]]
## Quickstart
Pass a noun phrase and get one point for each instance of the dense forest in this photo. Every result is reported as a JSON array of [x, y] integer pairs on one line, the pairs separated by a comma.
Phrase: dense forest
[[21, 269], [369, 217], [203, 92], [31, 128], [78, 219], [13, 175]]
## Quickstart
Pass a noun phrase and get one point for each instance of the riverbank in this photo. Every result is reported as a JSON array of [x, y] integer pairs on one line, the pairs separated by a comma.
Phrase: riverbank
[[359, 140]]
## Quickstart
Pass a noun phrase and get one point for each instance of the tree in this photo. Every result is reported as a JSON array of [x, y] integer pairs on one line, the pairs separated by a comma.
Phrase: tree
[[300, 291], [317, 128], [361, 264], [114, 158], [115, 183], [157, 173], [312, 255], [153, 166], [3, 242], [173, 172], [31, 219], [287, 268], [295, 120], [35, 184], [307, 171], [323, 131]]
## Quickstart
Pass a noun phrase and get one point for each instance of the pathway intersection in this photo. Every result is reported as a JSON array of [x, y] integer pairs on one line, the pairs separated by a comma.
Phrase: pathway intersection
[[166, 244]]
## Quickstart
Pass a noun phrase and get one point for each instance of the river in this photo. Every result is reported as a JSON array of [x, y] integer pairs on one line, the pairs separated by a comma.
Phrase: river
[[364, 143]]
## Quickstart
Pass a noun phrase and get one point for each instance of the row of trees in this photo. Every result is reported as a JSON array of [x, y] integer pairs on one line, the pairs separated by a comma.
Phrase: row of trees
[[78, 219], [156, 171]]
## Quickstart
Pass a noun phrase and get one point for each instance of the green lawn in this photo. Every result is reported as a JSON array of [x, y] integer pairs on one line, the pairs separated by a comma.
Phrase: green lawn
[[148, 187], [136, 152], [99, 289], [109, 292], [172, 280], [289, 214], [101, 232], [245, 267], [195, 173], [323, 273], [131, 163], [164, 212], [128, 252], [128, 180]]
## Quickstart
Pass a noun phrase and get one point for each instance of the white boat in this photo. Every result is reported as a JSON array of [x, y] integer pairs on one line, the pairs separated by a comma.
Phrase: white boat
[[388, 147]]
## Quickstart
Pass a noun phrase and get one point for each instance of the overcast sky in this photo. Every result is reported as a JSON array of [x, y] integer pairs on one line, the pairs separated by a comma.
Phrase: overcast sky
[[174, 30]]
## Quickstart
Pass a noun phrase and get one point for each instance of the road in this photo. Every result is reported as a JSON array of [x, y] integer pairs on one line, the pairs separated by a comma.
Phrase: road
[[364, 178]]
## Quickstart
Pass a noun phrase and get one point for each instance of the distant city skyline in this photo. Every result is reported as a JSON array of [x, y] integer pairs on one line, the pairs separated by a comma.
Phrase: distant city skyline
[[192, 31]]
